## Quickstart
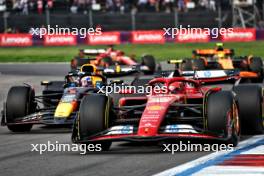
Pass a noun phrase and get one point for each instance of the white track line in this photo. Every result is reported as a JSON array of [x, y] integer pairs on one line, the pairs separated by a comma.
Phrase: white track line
[[178, 169]]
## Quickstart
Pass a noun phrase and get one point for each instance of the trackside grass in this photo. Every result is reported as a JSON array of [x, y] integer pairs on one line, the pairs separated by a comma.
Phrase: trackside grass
[[161, 52]]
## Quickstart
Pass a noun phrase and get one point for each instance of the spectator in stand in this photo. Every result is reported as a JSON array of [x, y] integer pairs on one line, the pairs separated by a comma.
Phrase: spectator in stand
[[81, 5], [129, 5], [119, 6], [31, 5], [24, 6], [152, 5], [203, 3], [40, 6], [142, 4], [212, 5], [74, 7], [181, 5], [50, 4], [168, 4], [110, 6]]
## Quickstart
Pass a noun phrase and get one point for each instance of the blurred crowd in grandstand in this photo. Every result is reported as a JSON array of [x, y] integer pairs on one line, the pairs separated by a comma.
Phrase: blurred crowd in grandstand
[[123, 6]]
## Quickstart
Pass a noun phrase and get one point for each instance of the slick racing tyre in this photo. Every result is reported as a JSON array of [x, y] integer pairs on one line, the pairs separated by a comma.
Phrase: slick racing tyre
[[222, 116], [149, 61], [256, 65], [186, 65], [94, 117], [250, 108], [192, 64], [55, 87], [20, 102], [198, 64]]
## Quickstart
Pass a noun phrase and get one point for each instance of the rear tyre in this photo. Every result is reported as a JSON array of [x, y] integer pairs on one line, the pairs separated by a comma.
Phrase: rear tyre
[[149, 61], [221, 113], [20, 102], [94, 117], [187, 65], [250, 108], [256, 65], [192, 64], [198, 64]]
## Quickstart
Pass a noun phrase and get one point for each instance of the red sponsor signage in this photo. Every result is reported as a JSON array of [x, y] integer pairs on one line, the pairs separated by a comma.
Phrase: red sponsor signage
[[239, 35], [196, 36], [16, 40], [105, 38], [59, 40], [144, 37]]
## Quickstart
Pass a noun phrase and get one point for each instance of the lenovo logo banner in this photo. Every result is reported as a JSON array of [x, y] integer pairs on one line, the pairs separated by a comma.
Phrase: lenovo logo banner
[[59, 40], [239, 35], [201, 36], [16, 40], [144, 37], [106, 38]]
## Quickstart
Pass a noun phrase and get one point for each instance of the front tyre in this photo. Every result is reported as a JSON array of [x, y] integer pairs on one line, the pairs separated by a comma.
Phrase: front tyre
[[250, 99], [19, 103], [222, 116], [94, 118], [149, 61]]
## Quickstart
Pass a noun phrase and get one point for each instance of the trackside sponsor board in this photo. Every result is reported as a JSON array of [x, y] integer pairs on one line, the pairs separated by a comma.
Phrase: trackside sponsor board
[[106, 38], [239, 35], [185, 37], [16, 40], [59, 40], [144, 37]]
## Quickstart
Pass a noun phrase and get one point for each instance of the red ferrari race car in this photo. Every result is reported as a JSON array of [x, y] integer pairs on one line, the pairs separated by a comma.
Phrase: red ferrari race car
[[184, 109], [114, 60]]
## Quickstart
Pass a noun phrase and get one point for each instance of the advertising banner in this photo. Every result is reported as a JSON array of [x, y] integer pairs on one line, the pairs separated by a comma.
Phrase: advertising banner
[[16, 40], [148, 37], [106, 38]]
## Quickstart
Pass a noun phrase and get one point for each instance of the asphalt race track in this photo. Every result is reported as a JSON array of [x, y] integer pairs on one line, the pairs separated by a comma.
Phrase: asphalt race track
[[124, 158]]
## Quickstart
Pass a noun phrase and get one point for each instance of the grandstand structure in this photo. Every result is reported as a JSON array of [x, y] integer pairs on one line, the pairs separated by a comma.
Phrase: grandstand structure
[[130, 14]]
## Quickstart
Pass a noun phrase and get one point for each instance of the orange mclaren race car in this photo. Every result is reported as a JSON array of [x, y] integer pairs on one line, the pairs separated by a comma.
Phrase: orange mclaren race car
[[220, 58], [111, 58]]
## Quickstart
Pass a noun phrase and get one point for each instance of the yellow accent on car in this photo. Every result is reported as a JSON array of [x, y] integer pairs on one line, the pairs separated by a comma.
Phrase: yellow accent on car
[[96, 79], [226, 63], [118, 68], [154, 108], [219, 44], [63, 110], [176, 61]]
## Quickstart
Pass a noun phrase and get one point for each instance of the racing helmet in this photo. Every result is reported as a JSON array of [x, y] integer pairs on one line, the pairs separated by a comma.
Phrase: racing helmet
[[219, 47], [220, 55], [86, 81], [176, 87]]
